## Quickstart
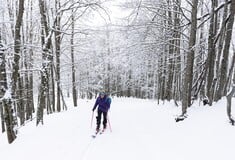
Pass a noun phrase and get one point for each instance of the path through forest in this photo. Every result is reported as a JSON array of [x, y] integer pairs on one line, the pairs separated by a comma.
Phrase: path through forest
[[141, 130]]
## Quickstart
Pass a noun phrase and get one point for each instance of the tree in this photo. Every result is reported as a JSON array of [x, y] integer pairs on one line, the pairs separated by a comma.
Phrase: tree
[[58, 50], [211, 53], [46, 64], [3, 81], [188, 74], [222, 89], [73, 71], [9, 108]]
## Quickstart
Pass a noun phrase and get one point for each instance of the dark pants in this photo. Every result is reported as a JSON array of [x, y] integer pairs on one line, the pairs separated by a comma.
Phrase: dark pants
[[98, 118]]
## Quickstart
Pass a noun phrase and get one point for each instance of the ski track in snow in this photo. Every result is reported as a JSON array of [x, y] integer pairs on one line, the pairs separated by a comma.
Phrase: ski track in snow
[[141, 130]]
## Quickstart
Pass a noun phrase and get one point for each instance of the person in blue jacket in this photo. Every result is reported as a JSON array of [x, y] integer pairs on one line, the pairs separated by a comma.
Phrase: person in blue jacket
[[103, 102]]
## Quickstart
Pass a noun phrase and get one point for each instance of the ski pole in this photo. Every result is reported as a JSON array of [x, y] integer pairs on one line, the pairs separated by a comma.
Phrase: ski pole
[[92, 118], [109, 123]]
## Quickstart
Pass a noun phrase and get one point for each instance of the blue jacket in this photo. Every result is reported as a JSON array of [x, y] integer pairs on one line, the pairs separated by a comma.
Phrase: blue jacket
[[104, 103]]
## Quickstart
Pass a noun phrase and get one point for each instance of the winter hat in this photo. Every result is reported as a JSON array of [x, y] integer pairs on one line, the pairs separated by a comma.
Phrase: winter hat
[[102, 93]]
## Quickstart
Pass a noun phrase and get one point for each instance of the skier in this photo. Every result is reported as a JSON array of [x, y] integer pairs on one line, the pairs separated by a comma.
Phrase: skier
[[104, 102]]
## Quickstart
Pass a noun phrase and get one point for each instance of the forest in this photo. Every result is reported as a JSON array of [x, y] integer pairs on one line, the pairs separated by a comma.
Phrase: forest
[[180, 50]]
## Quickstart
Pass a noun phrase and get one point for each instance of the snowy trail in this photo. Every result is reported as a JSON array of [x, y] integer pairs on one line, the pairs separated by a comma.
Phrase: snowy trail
[[141, 130], [135, 130]]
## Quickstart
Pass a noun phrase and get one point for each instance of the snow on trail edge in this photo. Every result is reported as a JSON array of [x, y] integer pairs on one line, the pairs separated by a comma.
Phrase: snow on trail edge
[[141, 130]]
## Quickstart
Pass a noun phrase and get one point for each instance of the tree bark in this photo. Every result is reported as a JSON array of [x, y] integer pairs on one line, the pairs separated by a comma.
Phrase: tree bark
[[9, 120], [58, 50], [29, 78], [3, 81], [222, 90], [220, 48], [177, 79], [10, 115], [74, 90], [46, 66], [211, 54], [7, 117], [168, 89], [17, 47], [186, 102]]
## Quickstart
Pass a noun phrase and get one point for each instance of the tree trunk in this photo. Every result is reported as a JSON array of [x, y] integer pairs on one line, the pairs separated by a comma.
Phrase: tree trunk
[[52, 93], [5, 105], [231, 70], [211, 54], [3, 81], [74, 90], [220, 47], [20, 103], [17, 47], [222, 90], [11, 15], [31, 64], [177, 75], [10, 119], [188, 77], [29, 78], [2, 118], [44, 98], [57, 47], [168, 89]]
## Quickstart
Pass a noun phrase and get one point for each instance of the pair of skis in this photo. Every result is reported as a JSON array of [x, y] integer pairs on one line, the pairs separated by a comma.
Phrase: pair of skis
[[97, 133]]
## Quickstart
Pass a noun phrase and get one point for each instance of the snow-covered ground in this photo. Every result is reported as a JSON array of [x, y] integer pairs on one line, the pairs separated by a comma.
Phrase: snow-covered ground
[[141, 130]]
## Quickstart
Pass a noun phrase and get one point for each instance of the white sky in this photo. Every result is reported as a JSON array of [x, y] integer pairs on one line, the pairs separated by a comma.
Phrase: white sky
[[114, 11]]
